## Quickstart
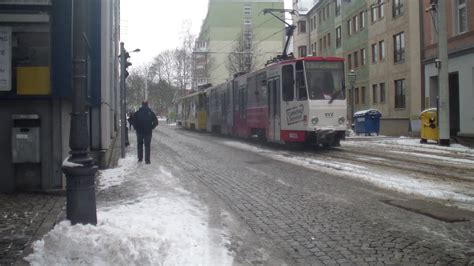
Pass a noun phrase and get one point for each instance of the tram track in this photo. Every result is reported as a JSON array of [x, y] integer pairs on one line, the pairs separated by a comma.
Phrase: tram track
[[375, 162]]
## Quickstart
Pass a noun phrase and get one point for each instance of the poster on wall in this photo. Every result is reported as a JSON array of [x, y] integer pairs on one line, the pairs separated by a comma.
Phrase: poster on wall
[[5, 59]]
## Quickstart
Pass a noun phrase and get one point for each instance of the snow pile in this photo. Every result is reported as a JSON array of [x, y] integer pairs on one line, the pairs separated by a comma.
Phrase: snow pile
[[157, 229]]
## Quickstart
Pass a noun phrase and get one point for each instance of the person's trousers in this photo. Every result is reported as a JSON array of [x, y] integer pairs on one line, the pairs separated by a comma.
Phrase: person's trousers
[[143, 139]]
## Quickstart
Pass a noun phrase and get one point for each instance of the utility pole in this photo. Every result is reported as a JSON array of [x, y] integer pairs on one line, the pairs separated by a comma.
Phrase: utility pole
[[443, 74], [146, 83], [78, 168]]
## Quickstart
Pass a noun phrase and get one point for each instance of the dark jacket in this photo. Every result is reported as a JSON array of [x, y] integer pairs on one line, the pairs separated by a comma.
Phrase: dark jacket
[[144, 120]]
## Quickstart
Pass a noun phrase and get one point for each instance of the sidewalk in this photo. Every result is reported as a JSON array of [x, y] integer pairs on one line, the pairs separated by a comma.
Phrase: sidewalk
[[27, 217], [24, 218]]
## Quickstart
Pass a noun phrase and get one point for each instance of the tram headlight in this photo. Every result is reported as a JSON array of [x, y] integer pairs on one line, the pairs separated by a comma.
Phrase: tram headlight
[[341, 120], [314, 120]]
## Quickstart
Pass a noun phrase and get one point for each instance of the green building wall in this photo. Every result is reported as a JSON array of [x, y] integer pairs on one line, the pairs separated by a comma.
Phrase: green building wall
[[224, 22]]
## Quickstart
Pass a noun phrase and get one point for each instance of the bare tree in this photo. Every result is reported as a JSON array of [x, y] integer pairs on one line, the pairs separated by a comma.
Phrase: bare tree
[[243, 56], [183, 58], [163, 67]]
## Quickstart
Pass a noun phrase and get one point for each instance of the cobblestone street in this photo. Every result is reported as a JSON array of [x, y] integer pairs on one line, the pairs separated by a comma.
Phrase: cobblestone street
[[304, 216], [275, 213]]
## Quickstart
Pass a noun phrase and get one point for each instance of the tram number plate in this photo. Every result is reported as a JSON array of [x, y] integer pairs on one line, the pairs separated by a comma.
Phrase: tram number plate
[[329, 114]]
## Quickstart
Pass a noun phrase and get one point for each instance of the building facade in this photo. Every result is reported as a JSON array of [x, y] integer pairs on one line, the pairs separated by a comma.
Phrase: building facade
[[226, 20], [460, 33], [36, 88], [380, 41]]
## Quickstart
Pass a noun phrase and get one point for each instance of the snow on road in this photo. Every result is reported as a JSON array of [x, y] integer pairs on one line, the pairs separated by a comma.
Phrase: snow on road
[[456, 194], [157, 229]]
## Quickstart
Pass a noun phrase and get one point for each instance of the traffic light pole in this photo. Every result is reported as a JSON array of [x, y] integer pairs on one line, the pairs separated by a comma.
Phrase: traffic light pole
[[123, 117]]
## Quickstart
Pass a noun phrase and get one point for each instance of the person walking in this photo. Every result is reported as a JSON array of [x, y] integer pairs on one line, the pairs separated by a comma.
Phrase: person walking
[[144, 121]]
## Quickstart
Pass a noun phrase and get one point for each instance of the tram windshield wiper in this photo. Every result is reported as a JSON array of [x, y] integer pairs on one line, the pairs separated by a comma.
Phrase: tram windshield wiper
[[334, 96]]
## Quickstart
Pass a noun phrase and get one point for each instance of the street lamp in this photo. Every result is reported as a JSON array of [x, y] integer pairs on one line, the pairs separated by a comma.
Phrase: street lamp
[[79, 167], [352, 79]]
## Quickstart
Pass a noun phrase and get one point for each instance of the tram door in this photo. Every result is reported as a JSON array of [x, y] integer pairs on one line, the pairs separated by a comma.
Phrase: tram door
[[274, 109]]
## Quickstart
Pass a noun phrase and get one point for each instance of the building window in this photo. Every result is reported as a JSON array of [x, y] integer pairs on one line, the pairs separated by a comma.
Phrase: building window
[[356, 59], [247, 11], [301, 26], [349, 61], [400, 93], [355, 23], [382, 92], [399, 47], [329, 40], [338, 37], [363, 95], [377, 10], [324, 42], [324, 13], [382, 51], [302, 51], [310, 24], [320, 45], [374, 93], [356, 96], [373, 14], [374, 53], [397, 8], [462, 16], [349, 27], [363, 57], [362, 20], [319, 17], [381, 12], [337, 4]]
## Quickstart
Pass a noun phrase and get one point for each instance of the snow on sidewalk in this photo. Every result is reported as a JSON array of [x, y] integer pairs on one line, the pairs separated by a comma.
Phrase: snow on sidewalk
[[157, 229]]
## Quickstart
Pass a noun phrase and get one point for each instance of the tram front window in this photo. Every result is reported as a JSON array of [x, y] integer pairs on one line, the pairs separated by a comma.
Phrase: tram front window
[[325, 80]]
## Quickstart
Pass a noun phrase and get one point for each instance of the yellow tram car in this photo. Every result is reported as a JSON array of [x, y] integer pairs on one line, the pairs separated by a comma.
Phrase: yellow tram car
[[192, 110]]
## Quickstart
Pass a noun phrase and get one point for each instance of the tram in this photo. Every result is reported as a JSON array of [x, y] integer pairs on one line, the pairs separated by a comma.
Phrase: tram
[[191, 111], [293, 101]]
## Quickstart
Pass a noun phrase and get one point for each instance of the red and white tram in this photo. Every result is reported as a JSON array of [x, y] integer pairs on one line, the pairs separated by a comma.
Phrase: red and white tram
[[293, 101]]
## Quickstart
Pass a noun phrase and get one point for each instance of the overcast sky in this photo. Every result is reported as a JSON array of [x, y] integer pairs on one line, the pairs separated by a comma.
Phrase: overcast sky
[[155, 25]]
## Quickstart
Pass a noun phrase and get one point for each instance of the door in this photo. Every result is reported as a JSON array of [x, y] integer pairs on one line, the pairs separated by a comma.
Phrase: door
[[454, 113], [273, 86]]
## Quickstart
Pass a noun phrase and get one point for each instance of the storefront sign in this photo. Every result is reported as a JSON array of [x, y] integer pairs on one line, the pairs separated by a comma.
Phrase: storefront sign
[[5, 59]]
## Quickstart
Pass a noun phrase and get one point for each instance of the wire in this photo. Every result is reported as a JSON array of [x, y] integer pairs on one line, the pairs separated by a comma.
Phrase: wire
[[231, 43], [269, 36]]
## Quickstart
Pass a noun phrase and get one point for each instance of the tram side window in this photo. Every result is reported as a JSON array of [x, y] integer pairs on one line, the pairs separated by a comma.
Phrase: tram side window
[[288, 83], [302, 95]]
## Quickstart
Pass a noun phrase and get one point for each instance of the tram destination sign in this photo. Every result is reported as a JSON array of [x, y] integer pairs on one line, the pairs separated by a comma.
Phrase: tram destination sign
[[314, 65]]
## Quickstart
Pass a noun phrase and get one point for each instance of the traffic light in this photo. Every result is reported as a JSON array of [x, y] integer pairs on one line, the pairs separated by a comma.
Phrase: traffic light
[[126, 65]]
